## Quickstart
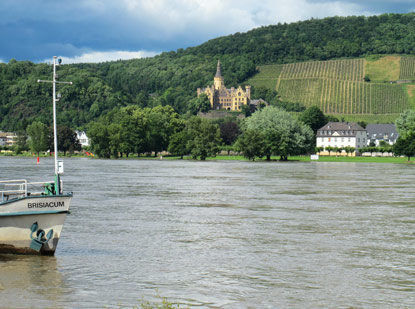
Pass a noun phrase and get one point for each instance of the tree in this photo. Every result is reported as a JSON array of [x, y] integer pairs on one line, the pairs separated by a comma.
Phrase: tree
[[405, 145], [370, 149], [178, 144], [405, 123], [134, 129], [284, 134], [38, 133], [363, 124], [229, 132], [21, 142], [329, 149], [384, 147], [319, 149], [204, 138], [228, 148], [163, 122], [290, 107], [67, 140], [349, 149], [200, 104], [267, 94], [100, 140], [330, 118], [313, 117], [115, 140], [246, 110], [252, 144]]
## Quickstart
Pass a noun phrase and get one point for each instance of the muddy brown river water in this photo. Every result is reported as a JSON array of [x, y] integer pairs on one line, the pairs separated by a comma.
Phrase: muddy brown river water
[[222, 235]]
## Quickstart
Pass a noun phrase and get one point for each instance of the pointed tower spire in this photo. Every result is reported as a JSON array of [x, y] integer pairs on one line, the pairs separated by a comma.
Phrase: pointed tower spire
[[218, 79], [218, 70]]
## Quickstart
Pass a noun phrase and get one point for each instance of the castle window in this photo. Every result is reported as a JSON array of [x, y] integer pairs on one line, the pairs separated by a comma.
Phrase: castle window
[[239, 93]]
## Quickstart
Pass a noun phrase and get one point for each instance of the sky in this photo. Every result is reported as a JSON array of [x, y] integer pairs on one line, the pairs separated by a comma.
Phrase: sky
[[107, 30]]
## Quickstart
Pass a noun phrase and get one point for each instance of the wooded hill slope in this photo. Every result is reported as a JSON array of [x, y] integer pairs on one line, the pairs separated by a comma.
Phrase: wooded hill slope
[[173, 77]]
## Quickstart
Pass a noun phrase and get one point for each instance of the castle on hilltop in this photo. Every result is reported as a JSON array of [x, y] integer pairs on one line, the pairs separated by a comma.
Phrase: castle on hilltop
[[221, 97]]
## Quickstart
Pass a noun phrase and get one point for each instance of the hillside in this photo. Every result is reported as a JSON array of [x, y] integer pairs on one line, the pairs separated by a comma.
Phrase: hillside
[[338, 87], [173, 77]]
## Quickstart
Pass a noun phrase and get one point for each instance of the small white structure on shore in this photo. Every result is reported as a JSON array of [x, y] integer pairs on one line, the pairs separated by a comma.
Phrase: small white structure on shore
[[7, 138], [83, 138]]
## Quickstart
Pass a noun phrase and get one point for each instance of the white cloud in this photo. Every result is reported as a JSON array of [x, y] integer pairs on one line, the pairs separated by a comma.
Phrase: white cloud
[[218, 17], [81, 26], [96, 57]]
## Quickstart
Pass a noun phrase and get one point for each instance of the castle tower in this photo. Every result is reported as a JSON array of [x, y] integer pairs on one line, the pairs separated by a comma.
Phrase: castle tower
[[218, 79], [248, 91]]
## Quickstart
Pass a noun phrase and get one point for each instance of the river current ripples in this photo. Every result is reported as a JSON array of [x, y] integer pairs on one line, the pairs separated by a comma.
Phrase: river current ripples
[[222, 235]]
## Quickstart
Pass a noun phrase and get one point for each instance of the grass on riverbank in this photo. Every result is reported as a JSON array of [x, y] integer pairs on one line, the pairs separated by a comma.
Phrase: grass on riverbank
[[401, 160], [326, 159], [355, 159], [41, 155]]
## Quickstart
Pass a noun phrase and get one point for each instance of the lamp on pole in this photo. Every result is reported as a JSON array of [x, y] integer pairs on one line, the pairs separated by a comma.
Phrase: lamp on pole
[[55, 133]]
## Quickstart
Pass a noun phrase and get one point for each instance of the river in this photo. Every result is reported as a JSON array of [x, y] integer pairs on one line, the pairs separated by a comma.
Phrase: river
[[222, 235]]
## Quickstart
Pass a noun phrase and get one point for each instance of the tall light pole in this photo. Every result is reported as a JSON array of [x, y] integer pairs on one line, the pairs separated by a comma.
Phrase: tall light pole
[[55, 131]]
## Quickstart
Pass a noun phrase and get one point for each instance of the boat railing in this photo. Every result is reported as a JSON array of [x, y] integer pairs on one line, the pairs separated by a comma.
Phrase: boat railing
[[12, 189]]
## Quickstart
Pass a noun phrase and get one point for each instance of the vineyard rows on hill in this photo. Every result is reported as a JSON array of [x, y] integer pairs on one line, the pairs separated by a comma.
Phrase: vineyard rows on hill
[[267, 76], [350, 69], [407, 68], [345, 97]]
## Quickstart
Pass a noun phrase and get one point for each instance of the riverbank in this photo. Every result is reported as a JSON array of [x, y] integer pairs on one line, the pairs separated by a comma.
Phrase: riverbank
[[401, 160], [398, 160]]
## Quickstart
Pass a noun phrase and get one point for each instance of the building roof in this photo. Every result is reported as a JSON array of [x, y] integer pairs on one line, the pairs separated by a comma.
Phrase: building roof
[[342, 126], [218, 70], [339, 129], [382, 131], [258, 102]]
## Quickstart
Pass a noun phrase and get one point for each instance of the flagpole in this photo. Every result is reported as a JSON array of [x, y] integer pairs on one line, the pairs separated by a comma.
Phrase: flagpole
[[55, 131]]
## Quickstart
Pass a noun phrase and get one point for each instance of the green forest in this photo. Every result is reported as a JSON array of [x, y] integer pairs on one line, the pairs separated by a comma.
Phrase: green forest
[[172, 78]]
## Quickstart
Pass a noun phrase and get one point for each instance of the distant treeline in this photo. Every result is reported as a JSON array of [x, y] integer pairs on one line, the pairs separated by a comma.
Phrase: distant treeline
[[173, 77]]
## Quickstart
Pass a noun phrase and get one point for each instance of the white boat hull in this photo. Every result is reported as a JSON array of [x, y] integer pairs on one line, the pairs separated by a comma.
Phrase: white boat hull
[[18, 216]]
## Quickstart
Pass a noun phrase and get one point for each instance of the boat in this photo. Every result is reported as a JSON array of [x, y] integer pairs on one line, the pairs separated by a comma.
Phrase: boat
[[32, 214]]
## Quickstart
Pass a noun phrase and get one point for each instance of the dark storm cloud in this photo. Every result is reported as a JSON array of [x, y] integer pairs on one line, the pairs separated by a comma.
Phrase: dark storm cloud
[[36, 30]]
